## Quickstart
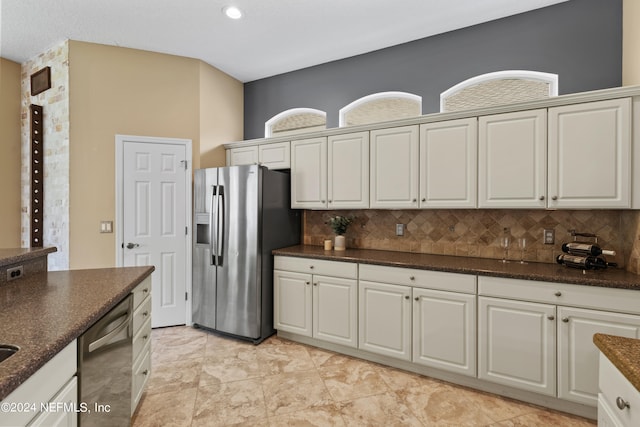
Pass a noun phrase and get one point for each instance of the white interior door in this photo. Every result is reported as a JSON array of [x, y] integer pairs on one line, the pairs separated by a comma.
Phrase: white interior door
[[156, 202]]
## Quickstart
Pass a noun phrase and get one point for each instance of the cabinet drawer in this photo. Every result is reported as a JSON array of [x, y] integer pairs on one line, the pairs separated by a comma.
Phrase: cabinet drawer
[[618, 300], [243, 156], [141, 314], [141, 374], [612, 385], [141, 291], [454, 282], [347, 270], [141, 338]]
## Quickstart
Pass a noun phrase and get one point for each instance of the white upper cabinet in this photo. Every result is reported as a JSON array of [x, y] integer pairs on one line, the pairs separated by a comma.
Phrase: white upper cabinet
[[394, 168], [309, 173], [512, 166], [348, 171], [274, 156], [242, 156], [590, 155], [448, 158]]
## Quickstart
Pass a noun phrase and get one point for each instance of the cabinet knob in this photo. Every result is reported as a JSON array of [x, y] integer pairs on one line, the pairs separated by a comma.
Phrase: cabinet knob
[[145, 290], [321, 201], [541, 197], [558, 294], [622, 404], [145, 314], [415, 200], [145, 337], [315, 284], [307, 283], [554, 198], [145, 372], [565, 319], [424, 199], [407, 297], [417, 298], [412, 278], [551, 317], [311, 267]]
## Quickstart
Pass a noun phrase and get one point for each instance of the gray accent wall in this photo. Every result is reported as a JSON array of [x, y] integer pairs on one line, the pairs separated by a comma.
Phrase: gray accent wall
[[580, 40]]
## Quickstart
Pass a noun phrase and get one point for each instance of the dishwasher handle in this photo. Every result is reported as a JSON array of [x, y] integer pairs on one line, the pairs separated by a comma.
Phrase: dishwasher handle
[[106, 339]]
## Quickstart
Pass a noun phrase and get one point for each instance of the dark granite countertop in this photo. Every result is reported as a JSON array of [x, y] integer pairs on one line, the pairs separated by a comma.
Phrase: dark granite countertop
[[42, 314], [624, 353], [611, 277], [10, 256]]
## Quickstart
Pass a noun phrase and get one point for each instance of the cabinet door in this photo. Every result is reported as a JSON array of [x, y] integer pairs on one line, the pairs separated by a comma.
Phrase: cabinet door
[[448, 158], [335, 310], [578, 356], [68, 396], [348, 171], [309, 173], [394, 168], [512, 156], [292, 302], [275, 156], [384, 325], [444, 330], [590, 155], [243, 156], [607, 415], [517, 344]]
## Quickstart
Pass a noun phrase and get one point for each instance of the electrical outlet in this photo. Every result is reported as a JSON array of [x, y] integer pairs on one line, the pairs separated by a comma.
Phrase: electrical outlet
[[399, 229], [15, 273], [549, 236]]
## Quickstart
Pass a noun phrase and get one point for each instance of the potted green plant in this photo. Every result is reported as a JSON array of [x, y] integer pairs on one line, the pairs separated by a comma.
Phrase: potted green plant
[[339, 225]]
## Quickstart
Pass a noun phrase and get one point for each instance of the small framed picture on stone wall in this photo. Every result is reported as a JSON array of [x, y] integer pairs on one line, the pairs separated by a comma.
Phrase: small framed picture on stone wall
[[40, 81]]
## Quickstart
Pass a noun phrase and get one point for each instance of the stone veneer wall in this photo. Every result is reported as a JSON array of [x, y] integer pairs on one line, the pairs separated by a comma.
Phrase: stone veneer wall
[[55, 102], [475, 233]]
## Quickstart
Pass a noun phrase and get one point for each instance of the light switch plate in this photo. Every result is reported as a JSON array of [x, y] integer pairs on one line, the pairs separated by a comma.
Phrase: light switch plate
[[106, 226]]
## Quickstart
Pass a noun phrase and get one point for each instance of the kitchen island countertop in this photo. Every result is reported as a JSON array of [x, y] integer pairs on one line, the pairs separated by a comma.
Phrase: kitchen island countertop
[[43, 313], [611, 277], [624, 353], [10, 256]]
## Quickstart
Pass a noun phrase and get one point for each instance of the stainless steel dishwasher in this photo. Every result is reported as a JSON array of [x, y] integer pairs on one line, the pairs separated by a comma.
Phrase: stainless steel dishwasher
[[105, 368]]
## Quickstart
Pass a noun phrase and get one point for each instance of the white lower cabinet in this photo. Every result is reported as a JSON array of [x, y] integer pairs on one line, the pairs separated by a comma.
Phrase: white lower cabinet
[[517, 344], [521, 321], [52, 387], [578, 355], [323, 305], [385, 319], [141, 359], [444, 330], [408, 314]]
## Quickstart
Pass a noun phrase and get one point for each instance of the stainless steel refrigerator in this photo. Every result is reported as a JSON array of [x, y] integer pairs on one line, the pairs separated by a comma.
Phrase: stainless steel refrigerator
[[241, 213]]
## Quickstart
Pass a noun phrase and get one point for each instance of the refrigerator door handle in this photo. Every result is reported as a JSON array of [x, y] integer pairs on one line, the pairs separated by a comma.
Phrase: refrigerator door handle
[[213, 225], [221, 224]]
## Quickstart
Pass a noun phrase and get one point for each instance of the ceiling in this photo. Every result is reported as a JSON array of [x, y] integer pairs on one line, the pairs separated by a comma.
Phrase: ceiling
[[274, 37]]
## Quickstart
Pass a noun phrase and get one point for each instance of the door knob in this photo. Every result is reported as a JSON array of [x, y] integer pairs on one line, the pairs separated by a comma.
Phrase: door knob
[[132, 245]]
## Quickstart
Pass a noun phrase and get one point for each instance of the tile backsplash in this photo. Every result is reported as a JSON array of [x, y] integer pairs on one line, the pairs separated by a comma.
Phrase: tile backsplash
[[475, 233]]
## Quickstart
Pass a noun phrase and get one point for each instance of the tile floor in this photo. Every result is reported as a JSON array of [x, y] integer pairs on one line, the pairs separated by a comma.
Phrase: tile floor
[[202, 379]]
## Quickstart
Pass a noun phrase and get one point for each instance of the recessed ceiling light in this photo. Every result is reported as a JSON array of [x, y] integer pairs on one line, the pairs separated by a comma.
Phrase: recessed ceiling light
[[232, 12]]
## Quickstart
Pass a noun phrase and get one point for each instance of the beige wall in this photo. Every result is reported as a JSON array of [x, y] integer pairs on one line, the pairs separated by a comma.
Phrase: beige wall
[[9, 154], [631, 43], [125, 91], [221, 115]]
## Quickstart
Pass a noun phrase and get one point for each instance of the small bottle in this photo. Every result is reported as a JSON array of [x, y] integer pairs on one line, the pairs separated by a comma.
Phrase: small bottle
[[577, 248], [585, 262]]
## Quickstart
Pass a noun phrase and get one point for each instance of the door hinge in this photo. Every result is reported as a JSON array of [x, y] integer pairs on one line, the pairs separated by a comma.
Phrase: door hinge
[[186, 296], [186, 231], [184, 163]]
